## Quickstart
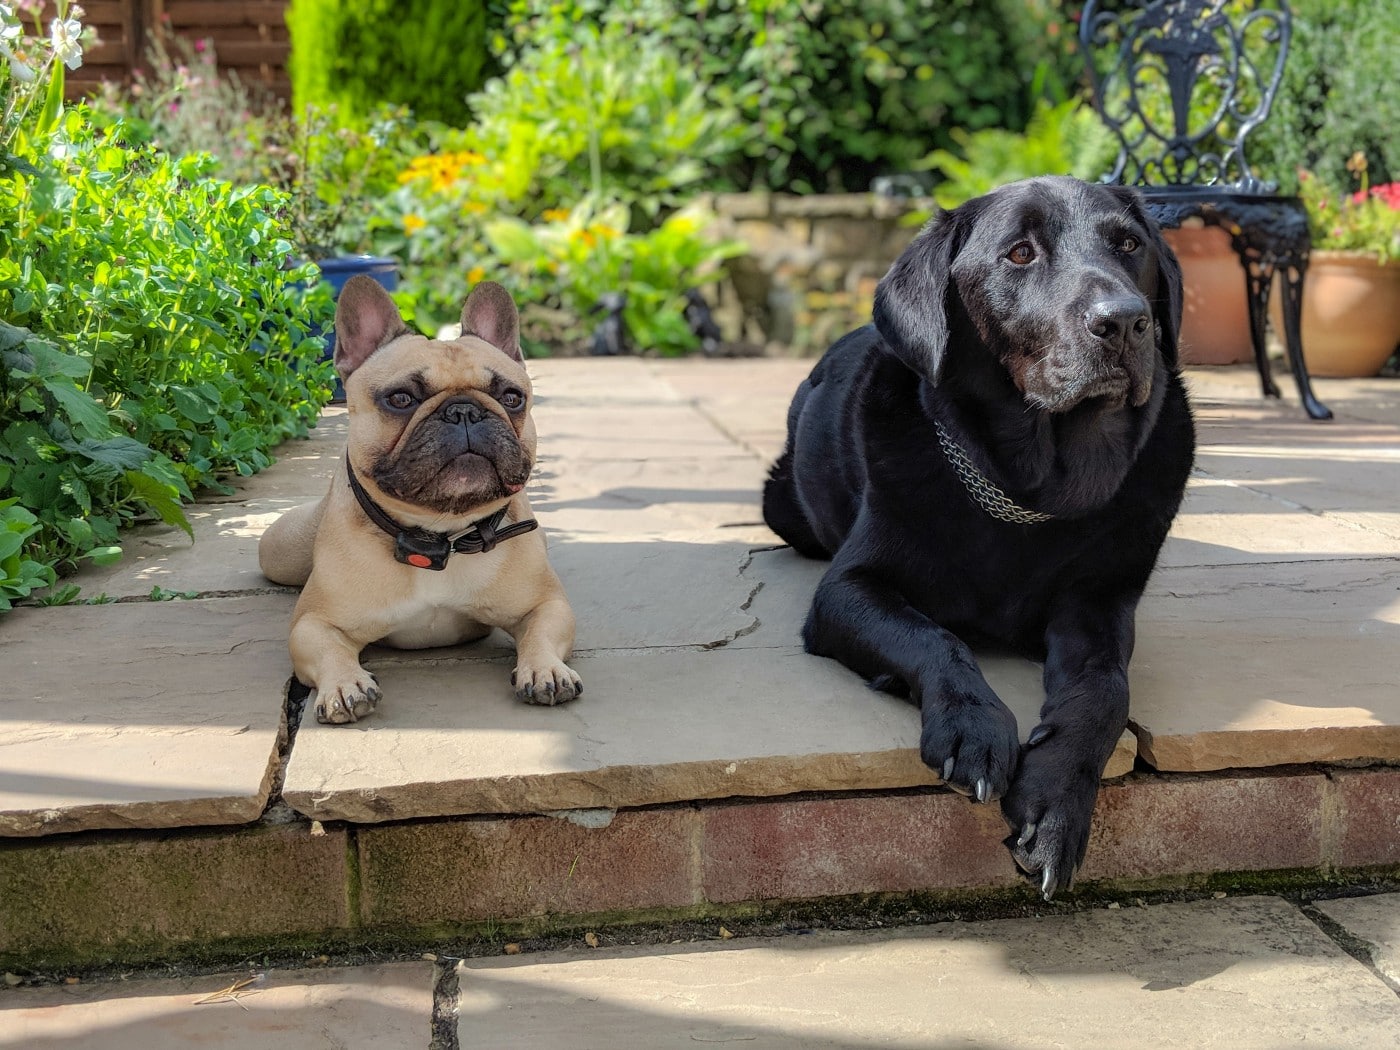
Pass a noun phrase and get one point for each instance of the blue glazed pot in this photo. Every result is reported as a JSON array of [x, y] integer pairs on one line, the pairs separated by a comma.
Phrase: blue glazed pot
[[336, 272]]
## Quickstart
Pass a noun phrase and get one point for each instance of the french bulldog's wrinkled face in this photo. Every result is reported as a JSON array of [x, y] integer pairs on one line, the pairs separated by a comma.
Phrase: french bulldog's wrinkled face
[[443, 426], [450, 428]]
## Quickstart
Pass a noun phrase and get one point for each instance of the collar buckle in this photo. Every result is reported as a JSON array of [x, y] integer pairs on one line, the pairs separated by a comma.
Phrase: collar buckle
[[422, 549]]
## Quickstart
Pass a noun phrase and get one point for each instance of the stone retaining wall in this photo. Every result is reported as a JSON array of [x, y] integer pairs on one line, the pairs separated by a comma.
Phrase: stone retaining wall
[[813, 263]]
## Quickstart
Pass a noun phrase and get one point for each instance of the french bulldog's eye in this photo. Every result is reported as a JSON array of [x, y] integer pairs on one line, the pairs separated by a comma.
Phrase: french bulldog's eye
[[400, 400], [512, 400], [1129, 244], [1021, 253]]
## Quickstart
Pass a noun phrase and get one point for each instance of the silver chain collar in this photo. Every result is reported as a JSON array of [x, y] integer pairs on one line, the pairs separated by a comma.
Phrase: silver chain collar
[[988, 496]]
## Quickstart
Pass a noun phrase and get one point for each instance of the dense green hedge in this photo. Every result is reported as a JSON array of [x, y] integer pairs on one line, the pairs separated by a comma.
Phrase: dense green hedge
[[1338, 95], [825, 94], [357, 54]]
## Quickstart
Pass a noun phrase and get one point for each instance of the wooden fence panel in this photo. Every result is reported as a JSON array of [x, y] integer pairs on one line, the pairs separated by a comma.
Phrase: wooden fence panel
[[249, 36]]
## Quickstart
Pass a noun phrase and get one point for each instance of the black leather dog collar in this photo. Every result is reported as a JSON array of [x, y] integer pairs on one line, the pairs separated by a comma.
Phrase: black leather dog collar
[[430, 550]]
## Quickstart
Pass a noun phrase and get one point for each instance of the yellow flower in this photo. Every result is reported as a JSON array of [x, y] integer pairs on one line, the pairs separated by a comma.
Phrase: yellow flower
[[588, 237], [474, 207], [412, 224], [605, 231], [555, 215], [475, 274]]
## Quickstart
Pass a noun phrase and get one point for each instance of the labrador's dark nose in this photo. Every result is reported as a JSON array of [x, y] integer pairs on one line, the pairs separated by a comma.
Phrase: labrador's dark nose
[[1117, 320], [463, 413]]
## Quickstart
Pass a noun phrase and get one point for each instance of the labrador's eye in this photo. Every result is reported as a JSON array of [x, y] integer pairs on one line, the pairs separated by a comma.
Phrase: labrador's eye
[[512, 400], [1021, 253], [1129, 244], [400, 400]]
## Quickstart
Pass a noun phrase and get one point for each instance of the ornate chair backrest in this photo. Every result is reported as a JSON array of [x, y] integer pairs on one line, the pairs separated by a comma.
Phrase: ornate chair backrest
[[1182, 83]]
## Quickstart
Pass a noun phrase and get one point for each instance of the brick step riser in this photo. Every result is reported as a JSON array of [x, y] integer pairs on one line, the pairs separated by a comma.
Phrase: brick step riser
[[143, 897]]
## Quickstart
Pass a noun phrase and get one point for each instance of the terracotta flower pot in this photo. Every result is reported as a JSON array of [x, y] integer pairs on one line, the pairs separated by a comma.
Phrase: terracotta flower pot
[[1215, 309], [1351, 313]]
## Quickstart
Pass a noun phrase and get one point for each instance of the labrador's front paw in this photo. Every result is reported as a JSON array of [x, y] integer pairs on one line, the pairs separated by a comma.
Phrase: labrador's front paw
[[1049, 809]]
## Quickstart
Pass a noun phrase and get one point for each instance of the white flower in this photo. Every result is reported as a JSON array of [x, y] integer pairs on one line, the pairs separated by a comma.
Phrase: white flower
[[64, 36], [22, 73]]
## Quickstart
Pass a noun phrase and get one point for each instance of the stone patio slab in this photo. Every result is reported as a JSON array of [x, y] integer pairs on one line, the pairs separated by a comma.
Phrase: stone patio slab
[[1247, 666], [140, 714], [653, 726], [370, 1006], [1247, 974], [645, 497], [1348, 471], [1224, 522], [1375, 922], [596, 430]]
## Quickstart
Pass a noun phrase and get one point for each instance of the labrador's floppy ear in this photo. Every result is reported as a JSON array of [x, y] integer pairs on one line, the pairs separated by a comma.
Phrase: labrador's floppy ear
[[365, 319], [911, 307], [1167, 296], [489, 313]]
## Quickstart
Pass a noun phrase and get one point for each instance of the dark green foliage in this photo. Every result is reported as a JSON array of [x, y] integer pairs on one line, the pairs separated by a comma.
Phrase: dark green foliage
[[833, 92], [1338, 95], [356, 54], [152, 341]]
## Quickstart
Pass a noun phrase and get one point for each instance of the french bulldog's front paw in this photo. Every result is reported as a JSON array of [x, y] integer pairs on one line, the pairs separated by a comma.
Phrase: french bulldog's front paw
[[347, 701], [550, 683], [972, 745], [1049, 809]]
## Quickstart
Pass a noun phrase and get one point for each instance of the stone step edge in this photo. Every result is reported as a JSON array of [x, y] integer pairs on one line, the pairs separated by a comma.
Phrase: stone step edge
[[140, 898]]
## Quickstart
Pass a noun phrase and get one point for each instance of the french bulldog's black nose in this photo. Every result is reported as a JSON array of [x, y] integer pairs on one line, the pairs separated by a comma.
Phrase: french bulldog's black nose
[[1117, 320], [463, 413]]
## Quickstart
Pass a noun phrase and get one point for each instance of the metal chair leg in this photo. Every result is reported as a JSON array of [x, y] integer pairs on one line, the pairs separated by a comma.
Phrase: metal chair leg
[[1258, 277], [1292, 302]]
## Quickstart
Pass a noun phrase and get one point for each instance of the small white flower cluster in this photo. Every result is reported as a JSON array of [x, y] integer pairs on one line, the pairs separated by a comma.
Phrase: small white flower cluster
[[65, 36]]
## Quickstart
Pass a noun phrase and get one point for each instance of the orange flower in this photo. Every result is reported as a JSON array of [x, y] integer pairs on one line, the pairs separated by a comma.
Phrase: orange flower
[[475, 274]]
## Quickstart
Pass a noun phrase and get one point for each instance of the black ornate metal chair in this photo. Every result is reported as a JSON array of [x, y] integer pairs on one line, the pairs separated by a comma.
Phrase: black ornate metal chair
[[1181, 84]]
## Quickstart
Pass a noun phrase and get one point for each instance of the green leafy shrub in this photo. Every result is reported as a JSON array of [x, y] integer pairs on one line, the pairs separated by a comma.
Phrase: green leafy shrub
[[587, 114], [606, 109], [1337, 96], [333, 171], [355, 54], [829, 93], [1064, 139], [567, 262], [153, 339]]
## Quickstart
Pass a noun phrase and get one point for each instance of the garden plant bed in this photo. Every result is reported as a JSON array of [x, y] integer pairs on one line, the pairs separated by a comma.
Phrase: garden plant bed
[[154, 803]]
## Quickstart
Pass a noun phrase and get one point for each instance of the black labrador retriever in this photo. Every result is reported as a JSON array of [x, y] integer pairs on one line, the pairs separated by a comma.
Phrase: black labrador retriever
[[999, 457]]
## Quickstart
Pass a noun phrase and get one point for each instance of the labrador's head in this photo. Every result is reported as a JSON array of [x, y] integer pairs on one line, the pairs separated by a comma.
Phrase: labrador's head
[[1067, 285]]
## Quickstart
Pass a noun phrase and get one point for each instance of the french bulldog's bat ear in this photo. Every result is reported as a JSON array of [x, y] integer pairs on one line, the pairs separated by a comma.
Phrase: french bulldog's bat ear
[[911, 309], [365, 319], [489, 313]]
